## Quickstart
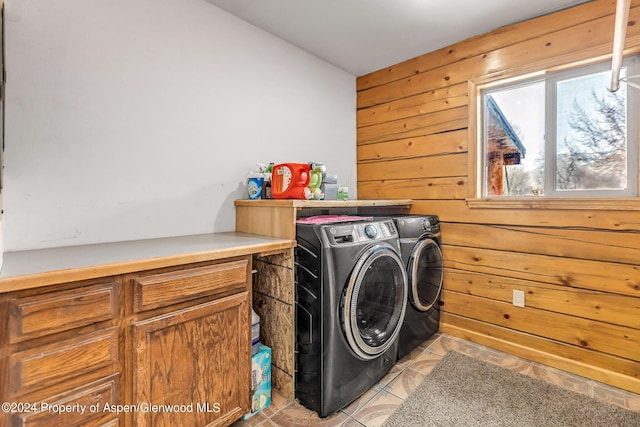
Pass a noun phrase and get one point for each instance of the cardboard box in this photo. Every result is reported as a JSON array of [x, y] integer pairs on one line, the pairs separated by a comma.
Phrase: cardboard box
[[260, 381]]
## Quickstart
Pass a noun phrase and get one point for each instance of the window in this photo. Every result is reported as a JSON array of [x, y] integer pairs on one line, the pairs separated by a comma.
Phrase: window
[[561, 134]]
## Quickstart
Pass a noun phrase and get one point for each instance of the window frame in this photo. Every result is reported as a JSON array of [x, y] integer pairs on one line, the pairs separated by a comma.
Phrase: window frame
[[550, 81], [476, 197]]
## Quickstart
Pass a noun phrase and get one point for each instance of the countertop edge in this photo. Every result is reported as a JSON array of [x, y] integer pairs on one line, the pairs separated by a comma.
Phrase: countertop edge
[[53, 277], [294, 203]]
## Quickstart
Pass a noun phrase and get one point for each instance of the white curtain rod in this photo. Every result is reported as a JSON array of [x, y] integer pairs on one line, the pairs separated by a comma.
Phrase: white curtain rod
[[619, 34]]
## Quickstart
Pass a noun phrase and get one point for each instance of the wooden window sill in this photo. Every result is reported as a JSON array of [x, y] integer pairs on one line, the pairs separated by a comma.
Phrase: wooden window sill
[[627, 204]]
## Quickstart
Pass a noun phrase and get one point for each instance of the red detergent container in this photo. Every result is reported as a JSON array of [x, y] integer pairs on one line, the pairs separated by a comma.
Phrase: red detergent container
[[291, 181]]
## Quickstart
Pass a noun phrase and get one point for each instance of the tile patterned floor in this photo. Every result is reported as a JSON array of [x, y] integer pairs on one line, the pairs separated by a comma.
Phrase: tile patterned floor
[[374, 406]]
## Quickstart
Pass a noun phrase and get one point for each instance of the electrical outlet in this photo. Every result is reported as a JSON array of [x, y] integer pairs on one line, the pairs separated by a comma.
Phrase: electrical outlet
[[518, 298]]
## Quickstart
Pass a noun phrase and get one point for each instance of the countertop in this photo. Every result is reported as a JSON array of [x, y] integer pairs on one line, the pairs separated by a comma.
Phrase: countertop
[[42, 267]]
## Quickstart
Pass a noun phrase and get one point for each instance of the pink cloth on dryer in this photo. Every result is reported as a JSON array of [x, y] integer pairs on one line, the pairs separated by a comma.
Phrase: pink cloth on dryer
[[328, 219]]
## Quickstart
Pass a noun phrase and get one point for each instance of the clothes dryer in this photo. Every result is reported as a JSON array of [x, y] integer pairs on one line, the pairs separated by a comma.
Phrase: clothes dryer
[[422, 256], [351, 295]]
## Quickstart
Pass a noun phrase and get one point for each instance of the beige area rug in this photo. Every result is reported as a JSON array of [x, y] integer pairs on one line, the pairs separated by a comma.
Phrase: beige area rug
[[462, 391]]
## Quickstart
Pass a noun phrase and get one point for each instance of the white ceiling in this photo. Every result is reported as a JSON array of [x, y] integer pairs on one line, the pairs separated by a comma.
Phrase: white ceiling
[[361, 36]]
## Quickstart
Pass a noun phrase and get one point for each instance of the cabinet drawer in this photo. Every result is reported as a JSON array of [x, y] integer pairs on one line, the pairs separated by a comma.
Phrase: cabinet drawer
[[50, 364], [94, 396], [34, 316], [161, 290]]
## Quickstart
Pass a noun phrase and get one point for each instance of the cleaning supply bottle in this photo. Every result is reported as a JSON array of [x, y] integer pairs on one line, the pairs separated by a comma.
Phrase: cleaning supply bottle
[[291, 181], [255, 332], [266, 186], [315, 181], [255, 182]]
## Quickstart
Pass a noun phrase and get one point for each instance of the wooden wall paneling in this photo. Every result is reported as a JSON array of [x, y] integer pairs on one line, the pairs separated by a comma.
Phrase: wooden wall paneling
[[434, 144], [427, 188], [617, 371], [429, 102], [425, 124], [436, 128], [549, 50], [600, 306], [495, 39], [604, 337], [576, 260], [611, 277], [597, 245], [459, 211], [433, 167], [413, 148], [435, 79]]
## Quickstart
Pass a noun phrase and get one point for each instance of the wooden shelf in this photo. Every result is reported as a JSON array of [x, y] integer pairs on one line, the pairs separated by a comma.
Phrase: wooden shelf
[[277, 218], [323, 203]]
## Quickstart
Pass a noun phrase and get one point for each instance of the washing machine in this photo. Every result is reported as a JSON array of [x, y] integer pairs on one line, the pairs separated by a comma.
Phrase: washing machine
[[351, 295], [422, 256]]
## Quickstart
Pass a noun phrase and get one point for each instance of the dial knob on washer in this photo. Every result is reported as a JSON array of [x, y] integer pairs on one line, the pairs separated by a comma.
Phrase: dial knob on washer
[[371, 231]]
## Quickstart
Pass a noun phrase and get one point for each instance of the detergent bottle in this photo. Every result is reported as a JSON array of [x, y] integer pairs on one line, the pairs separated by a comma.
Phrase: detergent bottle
[[315, 181], [291, 181]]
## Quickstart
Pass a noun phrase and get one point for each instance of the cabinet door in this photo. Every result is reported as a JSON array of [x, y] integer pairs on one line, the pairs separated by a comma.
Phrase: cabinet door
[[196, 362]]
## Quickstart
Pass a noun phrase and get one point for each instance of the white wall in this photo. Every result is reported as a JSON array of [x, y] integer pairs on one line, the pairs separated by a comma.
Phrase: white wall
[[130, 119]]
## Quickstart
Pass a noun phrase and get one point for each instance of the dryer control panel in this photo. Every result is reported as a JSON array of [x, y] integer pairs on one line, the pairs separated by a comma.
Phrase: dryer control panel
[[415, 226], [358, 232]]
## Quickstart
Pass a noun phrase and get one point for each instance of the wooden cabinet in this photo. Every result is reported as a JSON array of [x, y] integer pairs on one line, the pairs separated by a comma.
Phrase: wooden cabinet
[[61, 354], [93, 395], [196, 358], [197, 361], [169, 346]]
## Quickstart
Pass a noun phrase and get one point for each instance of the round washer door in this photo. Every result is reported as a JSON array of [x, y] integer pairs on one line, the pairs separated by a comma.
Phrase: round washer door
[[374, 301], [425, 274]]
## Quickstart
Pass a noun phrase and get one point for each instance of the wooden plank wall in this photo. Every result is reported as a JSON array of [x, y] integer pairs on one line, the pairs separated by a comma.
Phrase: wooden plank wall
[[578, 268]]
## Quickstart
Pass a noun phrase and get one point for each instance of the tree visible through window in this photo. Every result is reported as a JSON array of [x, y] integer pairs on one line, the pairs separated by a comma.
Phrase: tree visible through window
[[594, 155], [561, 135]]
